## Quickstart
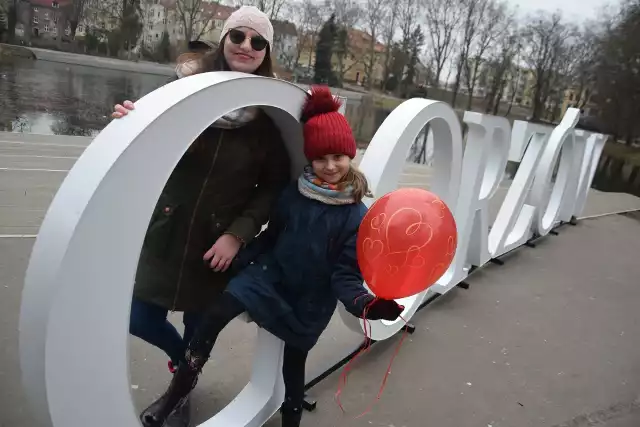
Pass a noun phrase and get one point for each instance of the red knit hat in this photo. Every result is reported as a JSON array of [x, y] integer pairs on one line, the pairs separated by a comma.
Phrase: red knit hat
[[326, 131]]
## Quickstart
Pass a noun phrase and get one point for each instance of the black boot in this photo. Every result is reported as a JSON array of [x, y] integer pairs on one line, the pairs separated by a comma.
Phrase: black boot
[[184, 380], [291, 414], [181, 416]]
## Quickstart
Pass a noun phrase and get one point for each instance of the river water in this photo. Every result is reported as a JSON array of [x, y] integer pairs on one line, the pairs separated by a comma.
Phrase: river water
[[53, 98]]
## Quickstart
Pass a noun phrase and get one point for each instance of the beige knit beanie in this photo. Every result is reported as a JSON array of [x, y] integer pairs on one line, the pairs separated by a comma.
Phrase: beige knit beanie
[[250, 17]]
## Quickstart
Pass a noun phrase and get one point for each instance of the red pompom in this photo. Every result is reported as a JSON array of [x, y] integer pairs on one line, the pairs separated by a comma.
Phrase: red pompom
[[320, 101]]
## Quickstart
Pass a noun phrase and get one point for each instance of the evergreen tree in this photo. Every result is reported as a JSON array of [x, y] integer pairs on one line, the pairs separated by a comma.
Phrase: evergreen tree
[[617, 76], [341, 47], [163, 50], [415, 44], [396, 68], [324, 52]]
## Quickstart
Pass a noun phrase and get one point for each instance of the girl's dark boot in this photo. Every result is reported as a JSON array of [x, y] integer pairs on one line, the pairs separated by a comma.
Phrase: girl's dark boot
[[184, 380], [182, 415], [291, 414]]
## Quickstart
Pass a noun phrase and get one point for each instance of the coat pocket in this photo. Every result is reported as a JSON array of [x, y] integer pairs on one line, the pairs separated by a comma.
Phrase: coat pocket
[[161, 232], [221, 218]]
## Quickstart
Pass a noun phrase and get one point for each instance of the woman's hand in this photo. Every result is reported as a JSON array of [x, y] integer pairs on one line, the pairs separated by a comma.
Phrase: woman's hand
[[384, 309], [221, 254], [120, 111]]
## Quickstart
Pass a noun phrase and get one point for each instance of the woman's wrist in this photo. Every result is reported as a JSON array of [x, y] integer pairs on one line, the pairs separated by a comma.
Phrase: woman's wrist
[[235, 236]]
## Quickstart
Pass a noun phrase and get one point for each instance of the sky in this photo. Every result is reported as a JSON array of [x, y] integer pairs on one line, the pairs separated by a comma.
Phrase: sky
[[579, 10], [576, 11]]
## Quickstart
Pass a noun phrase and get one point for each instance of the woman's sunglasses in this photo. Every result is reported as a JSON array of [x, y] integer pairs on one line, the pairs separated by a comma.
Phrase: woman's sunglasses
[[258, 43]]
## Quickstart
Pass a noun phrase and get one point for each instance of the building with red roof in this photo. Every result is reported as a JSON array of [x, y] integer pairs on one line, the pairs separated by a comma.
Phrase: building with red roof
[[163, 15]]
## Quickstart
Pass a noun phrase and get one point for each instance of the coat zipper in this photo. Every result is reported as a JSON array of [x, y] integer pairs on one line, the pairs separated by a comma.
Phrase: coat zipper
[[193, 217]]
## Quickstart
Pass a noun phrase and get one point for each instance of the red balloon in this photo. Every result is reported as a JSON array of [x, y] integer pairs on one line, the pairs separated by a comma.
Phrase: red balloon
[[406, 242]]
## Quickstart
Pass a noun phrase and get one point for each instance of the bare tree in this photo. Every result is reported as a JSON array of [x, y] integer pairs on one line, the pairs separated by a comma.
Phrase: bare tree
[[545, 37], [515, 78], [126, 15], [375, 14], [442, 19], [501, 68], [408, 22], [495, 22], [78, 8], [348, 14], [583, 62], [9, 18], [307, 16], [195, 17], [473, 11], [618, 74], [388, 33], [4, 16], [408, 15], [272, 8]]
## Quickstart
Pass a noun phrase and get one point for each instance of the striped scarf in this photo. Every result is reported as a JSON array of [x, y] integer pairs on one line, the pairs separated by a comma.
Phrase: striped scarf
[[314, 188]]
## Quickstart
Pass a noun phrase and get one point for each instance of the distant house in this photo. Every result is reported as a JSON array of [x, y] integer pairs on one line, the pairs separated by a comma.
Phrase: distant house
[[45, 20], [583, 98], [285, 43], [100, 17], [163, 15], [220, 13], [355, 62], [158, 16], [358, 58], [423, 75]]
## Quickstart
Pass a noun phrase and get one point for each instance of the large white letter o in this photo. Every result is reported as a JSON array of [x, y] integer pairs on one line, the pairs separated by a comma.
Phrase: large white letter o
[[76, 301], [384, 161]]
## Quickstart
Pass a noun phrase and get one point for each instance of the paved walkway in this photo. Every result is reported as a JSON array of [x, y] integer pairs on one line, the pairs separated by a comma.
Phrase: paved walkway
[[548, 339]]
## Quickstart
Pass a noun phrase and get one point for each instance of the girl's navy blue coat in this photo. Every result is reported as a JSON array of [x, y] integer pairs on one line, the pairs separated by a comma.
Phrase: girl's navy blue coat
[[302, 264]]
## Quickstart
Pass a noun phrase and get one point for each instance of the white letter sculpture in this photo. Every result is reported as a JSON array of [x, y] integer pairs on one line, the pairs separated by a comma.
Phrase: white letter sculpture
[[384, 161], [77, 295], [76, 301]]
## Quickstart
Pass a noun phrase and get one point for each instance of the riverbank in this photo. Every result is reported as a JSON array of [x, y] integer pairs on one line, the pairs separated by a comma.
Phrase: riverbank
[[143, 67], [13, 51]]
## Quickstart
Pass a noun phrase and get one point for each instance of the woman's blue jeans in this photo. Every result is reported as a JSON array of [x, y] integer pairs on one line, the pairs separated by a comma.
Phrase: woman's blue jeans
[[149, 323]]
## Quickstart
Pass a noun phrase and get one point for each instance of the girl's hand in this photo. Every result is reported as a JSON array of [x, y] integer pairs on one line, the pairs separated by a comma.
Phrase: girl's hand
[[221, 254], [384, 309], [120, 111]]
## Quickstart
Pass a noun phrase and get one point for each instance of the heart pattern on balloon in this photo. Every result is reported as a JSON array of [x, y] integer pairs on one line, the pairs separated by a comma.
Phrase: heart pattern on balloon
[[406, 242], [372, 249]]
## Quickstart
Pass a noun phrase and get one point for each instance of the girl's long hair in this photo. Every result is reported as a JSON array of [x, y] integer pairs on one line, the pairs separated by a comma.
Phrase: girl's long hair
[[356, 179], [215, 61]]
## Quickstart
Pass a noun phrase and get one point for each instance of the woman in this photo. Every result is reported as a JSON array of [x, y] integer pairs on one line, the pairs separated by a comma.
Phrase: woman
[[216, 200], [300, 266]]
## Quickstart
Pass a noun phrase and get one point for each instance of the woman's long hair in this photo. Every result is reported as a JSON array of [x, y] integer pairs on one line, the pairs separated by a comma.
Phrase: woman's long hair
[[356, 179], [215, 61]]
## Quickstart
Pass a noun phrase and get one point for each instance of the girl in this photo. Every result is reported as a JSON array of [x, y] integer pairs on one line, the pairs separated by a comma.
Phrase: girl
[[300, 266], [216, 200]]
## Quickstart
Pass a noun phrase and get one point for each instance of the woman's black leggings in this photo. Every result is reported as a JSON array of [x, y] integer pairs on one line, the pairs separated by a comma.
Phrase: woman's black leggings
[[223, 311]]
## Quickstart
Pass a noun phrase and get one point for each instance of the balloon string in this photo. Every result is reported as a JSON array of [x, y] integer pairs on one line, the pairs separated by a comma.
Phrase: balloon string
[[367, 346]]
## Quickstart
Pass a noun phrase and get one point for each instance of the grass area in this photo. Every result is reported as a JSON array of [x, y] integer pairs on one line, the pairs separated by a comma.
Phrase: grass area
[[8, 50], [386, 102], [630, 155]]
